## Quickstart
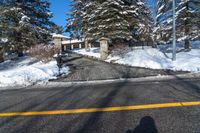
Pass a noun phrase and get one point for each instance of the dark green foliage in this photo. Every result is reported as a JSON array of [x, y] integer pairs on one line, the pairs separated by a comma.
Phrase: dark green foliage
[[119, 20], [187, 20], [25, 23]]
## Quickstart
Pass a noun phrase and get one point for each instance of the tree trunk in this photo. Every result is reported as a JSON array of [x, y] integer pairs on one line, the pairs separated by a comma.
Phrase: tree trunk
[[19, 50], [187, 44], [1, 55], [20, 54]]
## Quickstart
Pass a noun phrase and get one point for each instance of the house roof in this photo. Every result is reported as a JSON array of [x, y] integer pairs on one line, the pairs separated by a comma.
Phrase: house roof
[[54, 35]]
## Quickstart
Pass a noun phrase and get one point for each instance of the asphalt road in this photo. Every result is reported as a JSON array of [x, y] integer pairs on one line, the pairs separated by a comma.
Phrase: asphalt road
[[155, 120]]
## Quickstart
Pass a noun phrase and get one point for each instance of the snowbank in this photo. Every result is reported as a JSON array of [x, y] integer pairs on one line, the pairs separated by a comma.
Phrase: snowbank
[[148, 58], [187, 61], [156, 58], [95, 52], [54, 35], [28, 71]]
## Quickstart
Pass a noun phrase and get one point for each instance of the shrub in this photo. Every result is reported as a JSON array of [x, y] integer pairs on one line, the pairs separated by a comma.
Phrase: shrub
[[119, 49], [43, 52]]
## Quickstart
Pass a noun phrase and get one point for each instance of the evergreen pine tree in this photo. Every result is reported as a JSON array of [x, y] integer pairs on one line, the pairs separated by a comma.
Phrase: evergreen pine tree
[[109, 20], [74, 21], [116, 19], [164, 21], [25, 23], [187, 20], [143, 22], [57, 29]]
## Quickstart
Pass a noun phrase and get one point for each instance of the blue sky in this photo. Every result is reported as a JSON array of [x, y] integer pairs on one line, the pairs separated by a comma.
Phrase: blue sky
[[59, 9]]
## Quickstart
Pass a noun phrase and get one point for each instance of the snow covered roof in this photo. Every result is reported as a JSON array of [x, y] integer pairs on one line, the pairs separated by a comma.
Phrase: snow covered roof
[[54, 35], [72, 41]]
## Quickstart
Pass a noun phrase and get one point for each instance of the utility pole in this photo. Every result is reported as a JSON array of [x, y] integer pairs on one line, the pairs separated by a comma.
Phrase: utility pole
[[174, 31]]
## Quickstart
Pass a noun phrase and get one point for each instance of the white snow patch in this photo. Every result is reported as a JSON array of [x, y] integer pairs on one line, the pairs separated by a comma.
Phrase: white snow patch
[[54, 35], [4, 40], [29, 71], [72, 41], [148, 58], [155, 58], [94, 52]]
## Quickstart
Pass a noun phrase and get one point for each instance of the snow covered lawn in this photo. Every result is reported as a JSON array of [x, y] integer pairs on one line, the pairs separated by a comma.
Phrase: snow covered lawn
[[28, 71], [95, 52], [155, 58]]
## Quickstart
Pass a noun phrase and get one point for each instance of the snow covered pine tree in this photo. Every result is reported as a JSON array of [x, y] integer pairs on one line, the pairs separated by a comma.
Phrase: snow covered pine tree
[[74, 21], [163, 21], [187, 20], [109, 20], [25, 23], [119, 20], [141, 22]]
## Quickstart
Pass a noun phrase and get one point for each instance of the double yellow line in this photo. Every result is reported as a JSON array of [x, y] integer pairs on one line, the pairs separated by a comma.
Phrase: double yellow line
[[106, 109]]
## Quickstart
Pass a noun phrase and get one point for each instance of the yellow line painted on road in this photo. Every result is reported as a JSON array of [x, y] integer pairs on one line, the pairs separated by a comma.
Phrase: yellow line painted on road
[[106, 109]]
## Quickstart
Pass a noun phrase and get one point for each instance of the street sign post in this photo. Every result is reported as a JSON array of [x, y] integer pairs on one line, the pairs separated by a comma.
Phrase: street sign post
[[174, 32]]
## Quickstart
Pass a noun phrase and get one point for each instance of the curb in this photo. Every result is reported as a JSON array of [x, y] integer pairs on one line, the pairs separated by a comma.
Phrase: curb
[[134, 80], [98, 82]]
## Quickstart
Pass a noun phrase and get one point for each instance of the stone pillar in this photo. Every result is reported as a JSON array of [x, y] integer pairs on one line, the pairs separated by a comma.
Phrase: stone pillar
[[80, 45], [72, 46], [104, 48], [89, 45], [87, 48], [57, 42], [65, 48]]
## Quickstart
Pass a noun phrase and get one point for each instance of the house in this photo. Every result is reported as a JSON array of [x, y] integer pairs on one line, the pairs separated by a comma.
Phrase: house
[[66, 43]]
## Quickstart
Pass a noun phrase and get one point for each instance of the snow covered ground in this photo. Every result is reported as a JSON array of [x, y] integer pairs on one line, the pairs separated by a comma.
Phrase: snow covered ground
[[28, 71], [159, 58], [95, 52]]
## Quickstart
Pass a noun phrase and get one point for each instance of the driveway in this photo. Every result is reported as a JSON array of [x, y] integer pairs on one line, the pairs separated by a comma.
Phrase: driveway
[[85, 69]]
